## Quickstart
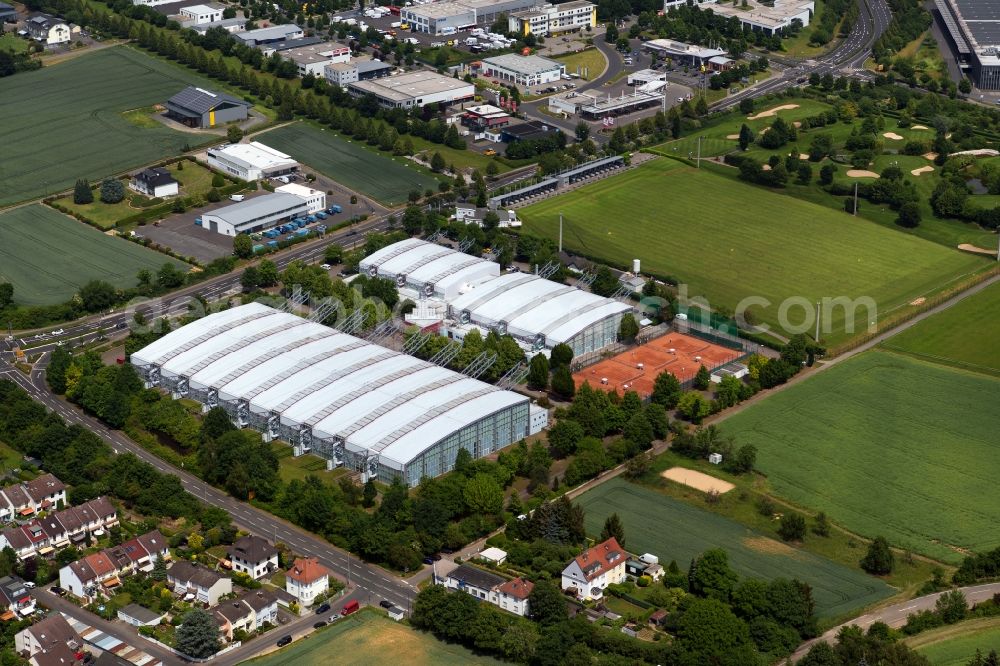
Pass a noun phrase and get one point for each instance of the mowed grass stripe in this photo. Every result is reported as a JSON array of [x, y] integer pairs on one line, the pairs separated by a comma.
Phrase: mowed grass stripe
[[48, 256], [966, 335], [729, 240], [676, 530], [65, 122], [956, 645], [886, 445], [384, 178]]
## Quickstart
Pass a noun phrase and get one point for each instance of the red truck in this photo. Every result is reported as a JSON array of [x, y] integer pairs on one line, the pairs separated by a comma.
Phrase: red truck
[[350, 607]]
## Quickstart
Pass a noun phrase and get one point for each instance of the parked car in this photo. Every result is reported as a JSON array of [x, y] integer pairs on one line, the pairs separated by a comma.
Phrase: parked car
[[28, 584], [322, 609], [319, 625], [385, 603], [326, 267], [284, 640], [55, 589], [333, 618], [489, 152], [350, 607]]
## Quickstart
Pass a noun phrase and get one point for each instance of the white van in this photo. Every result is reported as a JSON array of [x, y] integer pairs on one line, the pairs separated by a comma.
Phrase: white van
[[450, 30], [236, 197]]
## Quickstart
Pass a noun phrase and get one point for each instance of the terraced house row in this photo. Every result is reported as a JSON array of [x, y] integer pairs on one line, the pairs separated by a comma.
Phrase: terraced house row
[[42, 536]]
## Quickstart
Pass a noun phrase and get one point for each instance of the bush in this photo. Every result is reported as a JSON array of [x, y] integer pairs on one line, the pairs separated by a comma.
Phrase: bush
[[82, 194], [112, 191], [792, 528]]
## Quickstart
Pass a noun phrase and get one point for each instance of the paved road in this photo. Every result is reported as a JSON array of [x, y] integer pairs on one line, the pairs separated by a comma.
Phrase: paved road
[[895, 615]]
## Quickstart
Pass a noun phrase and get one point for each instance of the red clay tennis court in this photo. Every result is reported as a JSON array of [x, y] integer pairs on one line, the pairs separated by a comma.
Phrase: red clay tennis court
[[636, 369]]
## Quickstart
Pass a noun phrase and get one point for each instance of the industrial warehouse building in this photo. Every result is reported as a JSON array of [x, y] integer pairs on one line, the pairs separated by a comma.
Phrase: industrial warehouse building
[[314, 58], [251, 161], [419, 88], [771, 18], [359, 405], [361, 68], [256, 214], [461, 292], [973, 27], [197, 107], [270, 35], [445, 18], [529, 70]]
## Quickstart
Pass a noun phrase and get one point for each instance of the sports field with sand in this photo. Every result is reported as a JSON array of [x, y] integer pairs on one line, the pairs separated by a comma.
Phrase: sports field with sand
[[697, 480]]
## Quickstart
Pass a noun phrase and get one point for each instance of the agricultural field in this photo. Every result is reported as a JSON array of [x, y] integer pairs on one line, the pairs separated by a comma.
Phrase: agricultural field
[[48, 256], [957, 644], [356, 640], [719, 237], [383, 177], [965, 335], [74, 110], [886, 445], [676, 530]]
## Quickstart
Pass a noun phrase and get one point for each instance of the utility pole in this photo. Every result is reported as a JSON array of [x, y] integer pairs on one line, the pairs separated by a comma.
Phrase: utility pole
[[816, 337], [560, 232]]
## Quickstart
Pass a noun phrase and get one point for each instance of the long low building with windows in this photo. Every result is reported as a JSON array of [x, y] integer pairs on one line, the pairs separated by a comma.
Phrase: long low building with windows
[[377, 411], [463, 292]]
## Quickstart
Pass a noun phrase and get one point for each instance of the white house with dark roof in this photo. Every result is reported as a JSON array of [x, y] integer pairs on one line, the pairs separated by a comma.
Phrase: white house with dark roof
[[15, 598], [510, 595], [48, 30], [41, 494], [196, 583], [155, 182], [50, 633], [254, 556], [248, 612], [590, 574]]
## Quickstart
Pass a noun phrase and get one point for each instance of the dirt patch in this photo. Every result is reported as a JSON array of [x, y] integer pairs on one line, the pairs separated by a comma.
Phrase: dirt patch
[[923, 169], [892, 135], [930, 156], [733, 137], [697, 480], [920, 127], [772, 112], [803, 156], [966, 247], [769, 546], [918, 301], [861, 173]]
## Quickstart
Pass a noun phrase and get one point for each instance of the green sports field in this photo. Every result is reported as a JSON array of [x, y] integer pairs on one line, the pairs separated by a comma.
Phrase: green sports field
[[383, 177], [47, 256], [966, 335], [886, 445], [676, 530], [728, 240], [65, 122], [957, 644], [368, 637]]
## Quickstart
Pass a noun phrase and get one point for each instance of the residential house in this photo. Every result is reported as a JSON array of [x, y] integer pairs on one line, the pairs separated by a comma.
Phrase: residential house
[[51, 633], [248, 612], [254, 556], [48, 30], [471, 214], [17, 501], [139, 616], [89, 577], [196, 583], [24, 499], [57, 655], [513, 595], [589, 574], [72, 525], [15, 598], [155, 182], [307, 579], [146, 549]]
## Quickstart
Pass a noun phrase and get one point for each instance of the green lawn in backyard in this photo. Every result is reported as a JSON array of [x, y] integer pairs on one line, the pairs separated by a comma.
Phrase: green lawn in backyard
[[956, 645], [48, 256], [369, 637], [965, 335], [12, 43], [65, 121], [886, 445], [728, 240], [378, 175], [591, 61], [194, 179], [676, 530]]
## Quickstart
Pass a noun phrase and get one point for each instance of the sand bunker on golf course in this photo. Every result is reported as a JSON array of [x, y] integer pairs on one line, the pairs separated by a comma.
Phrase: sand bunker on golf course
[[922, 127], [861, 173], [923, 169], [892, 135], [697, 480], [978, 250], [733, 137], [930, 156], [774, 111], [803, 156]]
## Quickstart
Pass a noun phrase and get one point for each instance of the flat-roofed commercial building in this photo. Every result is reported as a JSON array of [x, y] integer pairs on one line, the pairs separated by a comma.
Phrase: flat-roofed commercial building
[[523, 70], [313, 59], [438, 18], [769, 19], [370, 409], [362, 68], [549, 19], [419, 88], [256, 214], [274, 33], [251, 161], [973, 27]]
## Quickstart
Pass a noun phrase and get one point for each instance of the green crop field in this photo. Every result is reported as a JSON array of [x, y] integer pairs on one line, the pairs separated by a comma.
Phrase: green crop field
[[366, 638], [65, 122], [886, 445], [728, 240], [956, 645], [47, 256], [965, 335], [383, 177], [676, 530]]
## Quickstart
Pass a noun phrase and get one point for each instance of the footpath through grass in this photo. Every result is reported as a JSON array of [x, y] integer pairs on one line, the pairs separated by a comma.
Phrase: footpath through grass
[[369, 637], [728, 240], [886, 445], [966, 335], [65, 122], [677, 530], [48, 256], [382, 177], [956, 645]]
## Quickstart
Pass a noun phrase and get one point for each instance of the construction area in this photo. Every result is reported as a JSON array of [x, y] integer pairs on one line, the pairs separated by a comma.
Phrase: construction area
[[637, 368]]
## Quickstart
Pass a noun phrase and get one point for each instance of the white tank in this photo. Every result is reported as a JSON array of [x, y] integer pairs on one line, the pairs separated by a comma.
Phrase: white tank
[[635, 266]]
